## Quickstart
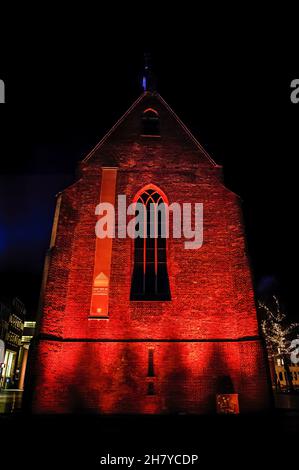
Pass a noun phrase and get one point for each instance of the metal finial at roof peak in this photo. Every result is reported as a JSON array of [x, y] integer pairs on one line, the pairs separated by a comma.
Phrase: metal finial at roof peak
[[148, 78]]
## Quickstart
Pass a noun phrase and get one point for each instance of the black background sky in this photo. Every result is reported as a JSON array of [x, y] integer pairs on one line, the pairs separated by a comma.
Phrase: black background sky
[[68, 81]]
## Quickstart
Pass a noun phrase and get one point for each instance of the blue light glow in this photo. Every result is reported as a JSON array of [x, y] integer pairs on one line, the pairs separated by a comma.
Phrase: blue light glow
[[144, 83]]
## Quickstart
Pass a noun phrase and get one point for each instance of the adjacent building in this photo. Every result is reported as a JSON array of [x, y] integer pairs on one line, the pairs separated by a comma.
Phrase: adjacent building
[[16, 334], [28, 335], [12, 317]]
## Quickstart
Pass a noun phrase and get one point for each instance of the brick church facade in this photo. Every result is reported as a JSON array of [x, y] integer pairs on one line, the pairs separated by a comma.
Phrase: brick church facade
[[119, 334]]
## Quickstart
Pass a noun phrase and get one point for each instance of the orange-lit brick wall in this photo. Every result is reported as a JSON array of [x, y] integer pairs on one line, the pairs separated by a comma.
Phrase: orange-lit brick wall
[[207, 330]]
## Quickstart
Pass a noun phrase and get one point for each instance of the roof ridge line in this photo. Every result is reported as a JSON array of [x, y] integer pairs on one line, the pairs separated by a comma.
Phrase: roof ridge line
[[189, 133], [101, 142], [122, 118]]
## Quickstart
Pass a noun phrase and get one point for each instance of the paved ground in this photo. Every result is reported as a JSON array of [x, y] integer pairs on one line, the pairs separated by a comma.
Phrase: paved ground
[[10, 401], [220, 441], [77, 441], [287, 400]]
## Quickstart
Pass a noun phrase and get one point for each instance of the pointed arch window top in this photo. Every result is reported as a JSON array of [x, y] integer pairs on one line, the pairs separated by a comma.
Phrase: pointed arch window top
[[150, 275], [151, 111], [150, 190]]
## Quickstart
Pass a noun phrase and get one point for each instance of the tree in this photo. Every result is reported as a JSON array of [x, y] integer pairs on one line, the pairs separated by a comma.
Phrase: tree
[[278, 334]]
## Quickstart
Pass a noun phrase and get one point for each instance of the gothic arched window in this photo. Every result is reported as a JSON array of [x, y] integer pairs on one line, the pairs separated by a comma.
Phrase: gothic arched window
[[150, 122], [150, 276]]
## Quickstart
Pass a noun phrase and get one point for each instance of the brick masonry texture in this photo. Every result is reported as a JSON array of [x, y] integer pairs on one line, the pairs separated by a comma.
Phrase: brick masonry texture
[[208, 329]]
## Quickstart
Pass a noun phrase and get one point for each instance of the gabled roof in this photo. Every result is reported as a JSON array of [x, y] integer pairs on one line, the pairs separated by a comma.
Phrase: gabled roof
[[165, 105]]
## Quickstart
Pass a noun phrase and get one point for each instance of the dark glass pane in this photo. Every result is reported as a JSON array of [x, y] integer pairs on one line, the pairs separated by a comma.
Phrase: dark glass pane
[[161, 255], [150, 212], [150, 255], [150, 243], [151, 372], [162, 281], [156, 196], [150, 388], [161, 243], [139, 242], [150, 280], [150, 124], [139, 252], [137, 286]]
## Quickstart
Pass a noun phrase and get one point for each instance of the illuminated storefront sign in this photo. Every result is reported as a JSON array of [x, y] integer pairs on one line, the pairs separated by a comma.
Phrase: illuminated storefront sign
[[227, 403]]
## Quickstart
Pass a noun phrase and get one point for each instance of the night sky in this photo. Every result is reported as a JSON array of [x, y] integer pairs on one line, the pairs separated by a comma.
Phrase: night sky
[[230, 85]]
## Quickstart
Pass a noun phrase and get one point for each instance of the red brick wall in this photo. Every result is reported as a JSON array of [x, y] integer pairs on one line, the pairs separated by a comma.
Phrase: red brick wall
[[211, 291], [112, 377]]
